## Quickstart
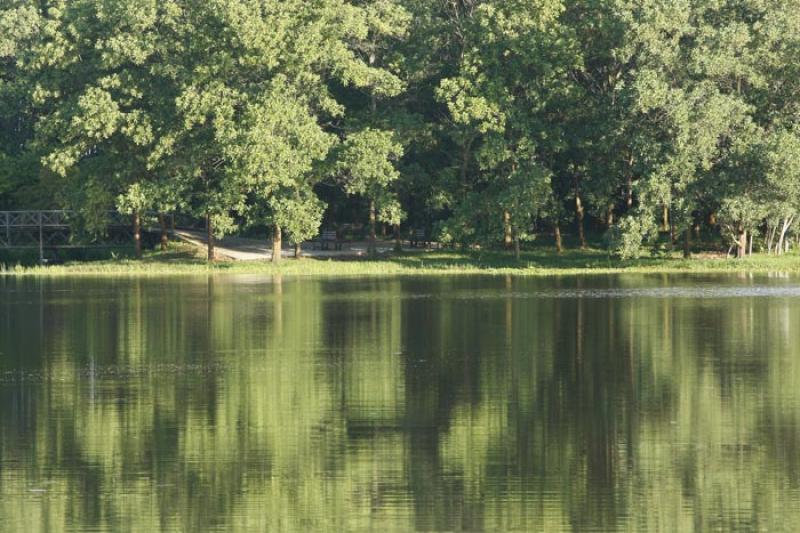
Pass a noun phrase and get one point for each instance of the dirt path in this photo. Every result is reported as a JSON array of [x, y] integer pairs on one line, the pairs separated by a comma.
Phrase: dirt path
[[240, 249]]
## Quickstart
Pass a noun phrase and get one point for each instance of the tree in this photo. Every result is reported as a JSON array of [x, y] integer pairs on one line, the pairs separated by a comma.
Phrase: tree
[[365, 164], [101, 98], [20, 29], [512, 79], [783, 197]]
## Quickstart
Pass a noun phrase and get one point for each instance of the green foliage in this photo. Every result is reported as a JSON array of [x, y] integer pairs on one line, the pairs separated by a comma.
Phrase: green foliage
[[478, 118], [300, 216], [365, 161], [366, 166]]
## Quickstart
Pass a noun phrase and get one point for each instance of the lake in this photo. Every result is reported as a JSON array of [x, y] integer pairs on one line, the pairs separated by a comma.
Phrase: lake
[[252, 403]]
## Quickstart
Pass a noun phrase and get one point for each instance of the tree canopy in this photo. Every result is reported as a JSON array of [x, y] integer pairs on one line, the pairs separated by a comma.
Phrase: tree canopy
[[638, 124]]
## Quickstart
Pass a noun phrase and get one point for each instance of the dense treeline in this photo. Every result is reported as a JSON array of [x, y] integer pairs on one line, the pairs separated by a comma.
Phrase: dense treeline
[[483, 121]]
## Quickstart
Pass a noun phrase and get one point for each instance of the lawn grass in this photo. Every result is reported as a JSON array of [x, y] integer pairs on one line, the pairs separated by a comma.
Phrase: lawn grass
[[184, 260]]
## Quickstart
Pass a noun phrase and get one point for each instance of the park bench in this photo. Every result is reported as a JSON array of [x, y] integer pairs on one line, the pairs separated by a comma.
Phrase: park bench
[[327, 239], [418, 237]]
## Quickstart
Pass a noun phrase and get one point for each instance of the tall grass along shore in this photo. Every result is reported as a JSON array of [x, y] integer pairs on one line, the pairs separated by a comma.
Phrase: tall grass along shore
[[181, 261]]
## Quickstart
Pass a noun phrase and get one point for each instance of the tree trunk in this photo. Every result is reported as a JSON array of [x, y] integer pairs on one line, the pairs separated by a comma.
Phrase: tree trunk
[[559, 244], [298, 250], [579, 212], [629, 193], [212, 256], [672, 236], [687, 243], [786, 224], [517, 252], [398, 244], [771, 231], [742, 244], [665, 219], [750, 245], [508, 239], [277, 244], [162, 221], [610, 216], [372, 219], [137, 234]]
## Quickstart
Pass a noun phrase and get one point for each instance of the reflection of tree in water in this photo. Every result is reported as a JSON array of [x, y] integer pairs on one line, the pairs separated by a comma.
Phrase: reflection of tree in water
[[321, 405]]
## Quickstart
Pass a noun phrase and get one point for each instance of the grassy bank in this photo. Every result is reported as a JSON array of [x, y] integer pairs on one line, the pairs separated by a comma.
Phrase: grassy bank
[[182, 260]]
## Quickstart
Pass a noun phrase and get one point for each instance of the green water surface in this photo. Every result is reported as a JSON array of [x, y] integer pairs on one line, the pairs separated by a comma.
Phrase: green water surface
[[251, 403]]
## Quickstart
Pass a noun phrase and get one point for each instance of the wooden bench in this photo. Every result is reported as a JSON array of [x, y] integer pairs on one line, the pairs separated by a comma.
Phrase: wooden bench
[[328, 238], [417, 237]]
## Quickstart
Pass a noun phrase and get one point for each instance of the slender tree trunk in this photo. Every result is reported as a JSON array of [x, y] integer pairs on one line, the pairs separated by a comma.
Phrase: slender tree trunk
[[557, 234], [610, 216], [750, 245], [579, 212], [298, 250], [665, 219], [162, 221], [137, 234], [742, 245], [785, 225], [687, 243], [277, 244], [372, 219], [629, 193], [212, 256], [771, 232], [517, 251], [398, 244], [508, 239], [672, 236]]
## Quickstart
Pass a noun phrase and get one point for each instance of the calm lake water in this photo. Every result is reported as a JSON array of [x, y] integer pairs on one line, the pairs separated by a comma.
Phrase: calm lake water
[[247, 403]]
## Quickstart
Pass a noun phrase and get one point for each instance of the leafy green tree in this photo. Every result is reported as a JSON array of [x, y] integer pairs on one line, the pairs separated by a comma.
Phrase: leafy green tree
[[20, 28], [783, 196], [366, 167], [100, 101], [513, 74]]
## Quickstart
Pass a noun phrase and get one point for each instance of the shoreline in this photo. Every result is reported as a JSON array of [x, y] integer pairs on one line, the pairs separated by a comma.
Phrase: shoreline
[[431, 263]]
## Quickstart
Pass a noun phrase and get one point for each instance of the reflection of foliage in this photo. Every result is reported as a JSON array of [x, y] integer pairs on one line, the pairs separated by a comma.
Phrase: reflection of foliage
[[245, 405]]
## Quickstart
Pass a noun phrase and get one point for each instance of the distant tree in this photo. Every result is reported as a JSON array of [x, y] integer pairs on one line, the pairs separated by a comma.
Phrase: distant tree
[[366, 167]]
